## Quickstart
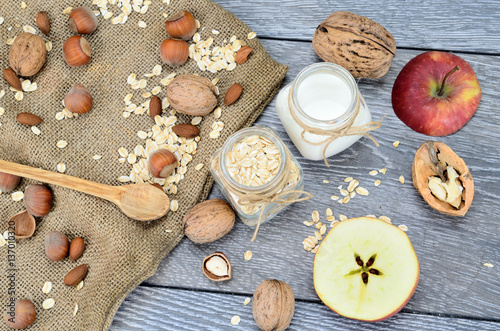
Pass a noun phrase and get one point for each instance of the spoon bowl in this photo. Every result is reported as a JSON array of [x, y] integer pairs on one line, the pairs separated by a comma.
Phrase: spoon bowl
[[143, 202]]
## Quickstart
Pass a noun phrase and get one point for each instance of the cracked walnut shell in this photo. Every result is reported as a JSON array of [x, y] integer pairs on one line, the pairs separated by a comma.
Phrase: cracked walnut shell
[[439, 172], [355, 42]]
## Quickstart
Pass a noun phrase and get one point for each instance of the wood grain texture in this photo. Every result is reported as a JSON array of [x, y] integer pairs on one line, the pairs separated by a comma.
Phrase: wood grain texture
[[188, 310], [451, 250], [459, 25]]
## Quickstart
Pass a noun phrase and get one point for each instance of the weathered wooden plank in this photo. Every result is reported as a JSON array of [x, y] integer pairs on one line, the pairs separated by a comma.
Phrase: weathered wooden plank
[[149, 308], [450, 24], [451, 251]]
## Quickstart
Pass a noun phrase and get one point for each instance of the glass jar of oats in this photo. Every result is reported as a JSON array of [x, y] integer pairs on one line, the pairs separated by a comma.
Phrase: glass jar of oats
[[257, 174]]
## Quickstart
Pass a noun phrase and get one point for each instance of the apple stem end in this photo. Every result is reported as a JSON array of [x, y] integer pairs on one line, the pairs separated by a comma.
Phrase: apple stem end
[[441, 90]]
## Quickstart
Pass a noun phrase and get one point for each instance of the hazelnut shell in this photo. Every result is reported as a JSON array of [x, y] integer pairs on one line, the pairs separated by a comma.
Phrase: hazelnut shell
[[78, 99], [38, 200], [162, 163], [24, 315], [56, 245], [24, 224], [76, 51], [212, 276], [174, 52], [82, 20], [182, 25], [8, 182]]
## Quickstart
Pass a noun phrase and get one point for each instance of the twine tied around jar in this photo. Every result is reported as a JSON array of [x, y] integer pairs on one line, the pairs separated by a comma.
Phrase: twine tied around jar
[[249, 199], [346, 129]]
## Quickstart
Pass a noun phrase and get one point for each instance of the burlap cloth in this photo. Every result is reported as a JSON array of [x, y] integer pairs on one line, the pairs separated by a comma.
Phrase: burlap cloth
[[120, 252]]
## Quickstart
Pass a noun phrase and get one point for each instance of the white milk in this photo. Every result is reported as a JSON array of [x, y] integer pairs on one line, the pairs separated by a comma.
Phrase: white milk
[[324, 96]]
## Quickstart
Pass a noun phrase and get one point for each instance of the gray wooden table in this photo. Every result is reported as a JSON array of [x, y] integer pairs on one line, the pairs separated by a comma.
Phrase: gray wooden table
[[456, 290]]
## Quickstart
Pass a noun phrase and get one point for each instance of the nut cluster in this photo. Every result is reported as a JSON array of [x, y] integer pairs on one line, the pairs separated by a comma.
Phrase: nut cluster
[[181, 27]]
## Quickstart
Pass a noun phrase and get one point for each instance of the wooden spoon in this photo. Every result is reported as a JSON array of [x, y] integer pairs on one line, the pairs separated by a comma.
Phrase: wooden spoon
[[142, 202]]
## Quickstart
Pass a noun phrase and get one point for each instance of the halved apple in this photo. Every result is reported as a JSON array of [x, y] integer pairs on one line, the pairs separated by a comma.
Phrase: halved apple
[[366, 269]]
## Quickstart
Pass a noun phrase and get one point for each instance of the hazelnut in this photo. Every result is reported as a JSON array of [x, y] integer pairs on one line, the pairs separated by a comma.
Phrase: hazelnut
[[8, 182], [24, 224], [27, 55], [78, 99], [21, 315], [174, 52], [76, 51], [76, 248], [38, 200], [273, 305], [82, 20], [43, 22], [181, 25], [56, 246], [162, 163]]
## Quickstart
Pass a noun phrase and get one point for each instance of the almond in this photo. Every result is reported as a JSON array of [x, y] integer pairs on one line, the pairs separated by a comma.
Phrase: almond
[[186, 130], [28, 119], [154, 107], [242, 55], [43, 22], [76, 248], [76, 275], [11, 78], [233, 94]]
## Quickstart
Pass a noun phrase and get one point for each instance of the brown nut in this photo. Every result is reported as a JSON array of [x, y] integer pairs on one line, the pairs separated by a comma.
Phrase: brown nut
[[38, 200], [78, 99], [76, 51], [56, 245], [27, 55], [8, 182], [357, 43], [242, 55], [217, 267], [273, 305], [76, 248], [233, 94], [186, 130], [82, 20], [76, 275], [24, 225], [432, 159], [182, 25], [209, 221], [174, 52], [28, 119], [154, 107], [11, 78], [192, 95], [20, 316], [43, 22], [162, 163]]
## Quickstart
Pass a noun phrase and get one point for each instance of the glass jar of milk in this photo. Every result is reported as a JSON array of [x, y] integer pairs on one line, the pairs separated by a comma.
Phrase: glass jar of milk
[[323, 98]]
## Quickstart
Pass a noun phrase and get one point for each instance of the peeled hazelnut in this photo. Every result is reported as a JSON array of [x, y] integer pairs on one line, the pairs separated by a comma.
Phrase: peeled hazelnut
[[174, 52], [43, 22], [76, 248], [38, 200], [217, 267], [78, 99], [8, 182], [24, 224], [76, 51], [82, 20], [56, 246], [181, 25], [162, 163], [21, 315], [76, 275], [27, 55], [273, 305]]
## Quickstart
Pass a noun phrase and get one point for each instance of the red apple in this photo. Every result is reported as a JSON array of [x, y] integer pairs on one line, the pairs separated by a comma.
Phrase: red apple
[[436, 93]]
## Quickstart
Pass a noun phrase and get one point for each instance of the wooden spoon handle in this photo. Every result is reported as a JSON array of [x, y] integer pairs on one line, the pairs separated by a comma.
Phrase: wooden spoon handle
[[111, 193]]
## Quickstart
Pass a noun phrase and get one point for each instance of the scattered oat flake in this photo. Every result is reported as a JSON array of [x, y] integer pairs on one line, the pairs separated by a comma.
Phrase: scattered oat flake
[[383, 170], [2, 241], [342, 217], [252, 35], [308, 223], [315, 249], [48, 303], [19, 95], [1, 20], [246, 302], [97, 157], [329, 212], [334, 197], [61, 167], [17, 196], [403, 227], [62, 143], [322, 230], [29, 29], [348, 179], [385, 219], [168, 231], [47, 287], [319, 225], [196, 120], [75, 310], [248, 255], [79, 286], [318, 235], [396, 143], [174, 205], [142, 24], [401, 179], [23, 5], [124, 179], [373, 172], [361, 191], [199, 166], [377, 182], [67, 10], [326, 181], [235, 320], [489, 265], [315, 216], [330, 218]]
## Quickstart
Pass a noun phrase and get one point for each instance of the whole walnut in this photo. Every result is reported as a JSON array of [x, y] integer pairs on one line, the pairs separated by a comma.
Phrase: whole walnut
[[28, 54], [209, 221], [192, 95], [357, 43], [273, 305]]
